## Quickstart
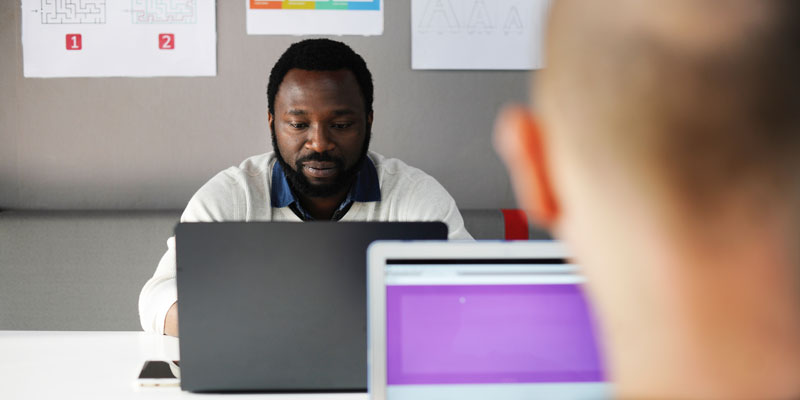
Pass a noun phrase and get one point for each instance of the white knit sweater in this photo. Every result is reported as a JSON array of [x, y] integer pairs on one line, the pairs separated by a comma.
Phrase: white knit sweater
[[243, 194]]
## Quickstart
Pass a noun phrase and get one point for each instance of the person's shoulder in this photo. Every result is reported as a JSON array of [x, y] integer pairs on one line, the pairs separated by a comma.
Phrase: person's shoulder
[[396, 169], [417, 196], [254, 168], [257, 165], [400, 179], [225, 195]]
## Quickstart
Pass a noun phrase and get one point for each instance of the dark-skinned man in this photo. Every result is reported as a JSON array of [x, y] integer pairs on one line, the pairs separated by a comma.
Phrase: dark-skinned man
[[320, 96]]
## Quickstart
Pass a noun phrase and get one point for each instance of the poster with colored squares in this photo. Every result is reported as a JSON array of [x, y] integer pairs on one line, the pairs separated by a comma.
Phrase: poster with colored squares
[[315, 17]]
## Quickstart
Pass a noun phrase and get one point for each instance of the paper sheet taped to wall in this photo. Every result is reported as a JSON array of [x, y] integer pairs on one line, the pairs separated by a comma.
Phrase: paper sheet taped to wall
[[97, 38], [477, 34], [315, 17]]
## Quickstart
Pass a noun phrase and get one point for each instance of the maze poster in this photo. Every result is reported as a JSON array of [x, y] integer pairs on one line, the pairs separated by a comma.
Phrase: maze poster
[[104, 38], [315, 17], [477, 34]]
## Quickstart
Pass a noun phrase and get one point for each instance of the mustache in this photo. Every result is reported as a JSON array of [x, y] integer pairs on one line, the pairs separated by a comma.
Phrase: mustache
[[323, 157]]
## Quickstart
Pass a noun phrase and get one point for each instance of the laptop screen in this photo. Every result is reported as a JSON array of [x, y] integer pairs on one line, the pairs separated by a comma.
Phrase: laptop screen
[[474, 328]]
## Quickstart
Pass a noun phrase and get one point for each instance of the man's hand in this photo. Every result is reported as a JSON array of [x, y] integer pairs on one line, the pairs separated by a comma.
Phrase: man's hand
[[171, 321]]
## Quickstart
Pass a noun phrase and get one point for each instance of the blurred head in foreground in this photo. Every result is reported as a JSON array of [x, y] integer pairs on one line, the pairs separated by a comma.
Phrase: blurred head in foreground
[[664, 147]]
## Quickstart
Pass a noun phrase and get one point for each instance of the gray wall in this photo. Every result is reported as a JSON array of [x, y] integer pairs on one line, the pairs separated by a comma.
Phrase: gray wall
[[78, 270], [149, 143]]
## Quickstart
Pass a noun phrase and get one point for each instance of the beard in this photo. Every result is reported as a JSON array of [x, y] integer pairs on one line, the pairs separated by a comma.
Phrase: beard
[[300, 184]]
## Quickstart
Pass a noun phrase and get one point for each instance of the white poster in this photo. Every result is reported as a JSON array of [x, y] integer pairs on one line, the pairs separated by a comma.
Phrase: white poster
[[477, 34], [94, 38], [315, 17]]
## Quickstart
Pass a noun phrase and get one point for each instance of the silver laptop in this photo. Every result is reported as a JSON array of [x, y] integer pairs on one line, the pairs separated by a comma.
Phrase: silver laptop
[[479, 320]]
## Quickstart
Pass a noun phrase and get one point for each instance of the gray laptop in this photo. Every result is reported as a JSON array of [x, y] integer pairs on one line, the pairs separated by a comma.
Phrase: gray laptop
[[278, 306]]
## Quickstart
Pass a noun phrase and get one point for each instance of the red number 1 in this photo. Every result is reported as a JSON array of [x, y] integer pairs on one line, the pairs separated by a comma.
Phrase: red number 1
[[74, 41], [166, 41]]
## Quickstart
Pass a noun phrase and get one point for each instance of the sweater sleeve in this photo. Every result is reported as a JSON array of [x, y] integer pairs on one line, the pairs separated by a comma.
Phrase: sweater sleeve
[[217, 200], [429, 201]]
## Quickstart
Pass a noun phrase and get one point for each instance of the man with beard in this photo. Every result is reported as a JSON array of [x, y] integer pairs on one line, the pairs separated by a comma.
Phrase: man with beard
[[320, 97]]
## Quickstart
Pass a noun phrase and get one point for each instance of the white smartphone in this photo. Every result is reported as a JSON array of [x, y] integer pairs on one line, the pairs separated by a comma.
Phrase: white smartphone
[[160, 373]]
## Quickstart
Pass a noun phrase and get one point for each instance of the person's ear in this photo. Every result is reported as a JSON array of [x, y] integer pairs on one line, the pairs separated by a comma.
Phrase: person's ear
[[270, 119], [518, 140], [369, 118]]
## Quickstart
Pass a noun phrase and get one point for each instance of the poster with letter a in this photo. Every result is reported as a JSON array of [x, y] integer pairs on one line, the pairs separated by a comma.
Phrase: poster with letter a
[[105, 38], [477, 34], [315, 17]]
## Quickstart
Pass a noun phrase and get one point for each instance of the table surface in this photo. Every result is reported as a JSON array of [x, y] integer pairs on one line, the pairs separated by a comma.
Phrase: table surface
[[98, 365]]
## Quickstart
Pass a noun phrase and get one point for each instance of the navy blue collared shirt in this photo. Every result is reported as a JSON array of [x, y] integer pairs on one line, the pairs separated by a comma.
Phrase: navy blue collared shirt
[[365, 189]]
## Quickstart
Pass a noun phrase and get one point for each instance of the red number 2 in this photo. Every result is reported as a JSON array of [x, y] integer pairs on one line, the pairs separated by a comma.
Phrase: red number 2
[[166, 41]]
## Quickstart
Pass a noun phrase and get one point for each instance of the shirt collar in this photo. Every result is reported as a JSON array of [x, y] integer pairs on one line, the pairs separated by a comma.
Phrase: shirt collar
[[365, 189]]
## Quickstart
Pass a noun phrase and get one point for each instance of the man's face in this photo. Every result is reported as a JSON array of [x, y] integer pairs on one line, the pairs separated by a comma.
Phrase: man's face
[[320, 130]]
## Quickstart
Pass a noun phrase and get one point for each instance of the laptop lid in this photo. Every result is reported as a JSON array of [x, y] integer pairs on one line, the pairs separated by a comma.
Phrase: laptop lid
[[278, 306], [482, 320]]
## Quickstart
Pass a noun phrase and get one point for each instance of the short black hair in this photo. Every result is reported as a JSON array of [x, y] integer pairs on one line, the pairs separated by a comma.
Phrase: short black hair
[[320, 55]]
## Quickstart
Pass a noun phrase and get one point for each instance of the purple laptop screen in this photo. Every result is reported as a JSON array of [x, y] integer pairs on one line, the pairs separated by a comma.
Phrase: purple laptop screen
[[454, 334]]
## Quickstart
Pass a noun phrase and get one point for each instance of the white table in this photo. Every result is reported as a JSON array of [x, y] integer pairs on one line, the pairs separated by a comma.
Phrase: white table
[[98, 365]]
